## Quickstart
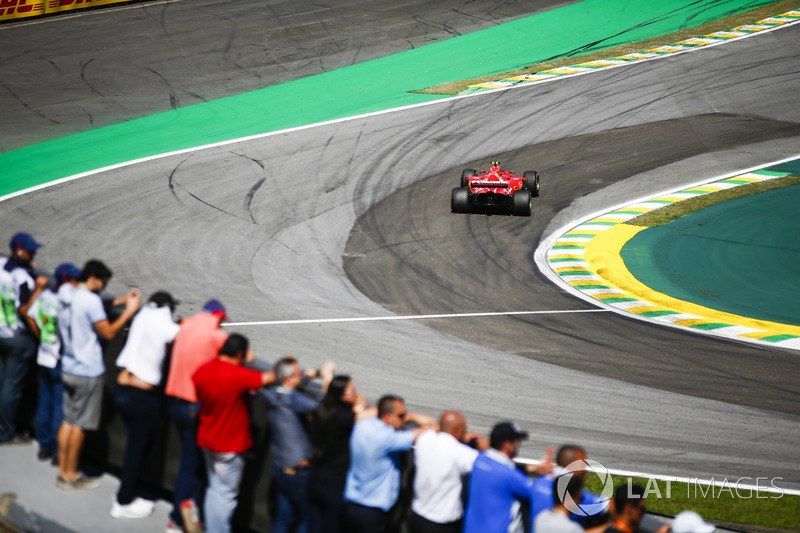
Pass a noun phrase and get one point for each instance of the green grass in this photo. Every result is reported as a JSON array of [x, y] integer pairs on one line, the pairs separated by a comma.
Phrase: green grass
[[745, 511], [747, 17], [665, 214]]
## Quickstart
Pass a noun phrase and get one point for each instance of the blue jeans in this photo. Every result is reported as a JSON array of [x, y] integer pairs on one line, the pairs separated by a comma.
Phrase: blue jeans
[[139, 411], [362, 519], [189, 483], [224, 474], [50, 410], [293, 508], [16, 360], [327, 506]]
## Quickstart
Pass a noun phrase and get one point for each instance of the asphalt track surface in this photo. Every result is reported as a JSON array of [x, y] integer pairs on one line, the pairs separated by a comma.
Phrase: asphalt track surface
[[266, 225]]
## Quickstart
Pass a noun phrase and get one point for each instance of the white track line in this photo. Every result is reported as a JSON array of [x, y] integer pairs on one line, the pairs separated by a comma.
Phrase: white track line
[[733, 483], [406, 317]]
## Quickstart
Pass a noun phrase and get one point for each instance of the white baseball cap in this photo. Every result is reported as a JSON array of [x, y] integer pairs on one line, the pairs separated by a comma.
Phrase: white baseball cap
[[691, 522]]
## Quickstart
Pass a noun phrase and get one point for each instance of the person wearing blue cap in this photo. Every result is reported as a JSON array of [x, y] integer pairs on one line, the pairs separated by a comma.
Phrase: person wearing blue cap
[[42, 317], [17, 343], [497, 488], [199, 341]]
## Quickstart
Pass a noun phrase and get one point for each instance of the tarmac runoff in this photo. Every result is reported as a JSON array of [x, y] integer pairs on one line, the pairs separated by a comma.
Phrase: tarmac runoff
[[585, 258]]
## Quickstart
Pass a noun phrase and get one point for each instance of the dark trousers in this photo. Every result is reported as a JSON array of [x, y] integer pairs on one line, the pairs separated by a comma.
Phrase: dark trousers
[[17, 357], [292, 493], [327, 508], [189, 483], [50, 410], [420, 524], [363, 519], [139, 411]]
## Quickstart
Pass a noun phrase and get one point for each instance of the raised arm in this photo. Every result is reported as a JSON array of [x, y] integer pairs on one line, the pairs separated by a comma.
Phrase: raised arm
[[107, 329]]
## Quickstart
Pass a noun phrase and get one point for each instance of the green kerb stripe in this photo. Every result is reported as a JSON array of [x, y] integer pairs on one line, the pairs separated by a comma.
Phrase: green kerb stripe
[[778, 338], [769, 173], [712, 325], [658, 313]]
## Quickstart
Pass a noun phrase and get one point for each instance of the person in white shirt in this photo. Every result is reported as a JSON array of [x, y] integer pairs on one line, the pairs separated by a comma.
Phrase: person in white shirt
[[137, 397], [441, 462]]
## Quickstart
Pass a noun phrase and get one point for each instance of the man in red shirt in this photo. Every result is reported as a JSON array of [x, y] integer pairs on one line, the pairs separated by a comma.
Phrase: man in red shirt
[[223, 386]]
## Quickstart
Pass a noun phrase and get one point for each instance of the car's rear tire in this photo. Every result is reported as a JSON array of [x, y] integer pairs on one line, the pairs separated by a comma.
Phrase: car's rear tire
[[522, 201], [459, 202], [531, 181], [466, 173]]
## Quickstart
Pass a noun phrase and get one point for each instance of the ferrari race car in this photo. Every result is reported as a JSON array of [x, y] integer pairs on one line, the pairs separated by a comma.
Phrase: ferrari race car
[[496, 187]]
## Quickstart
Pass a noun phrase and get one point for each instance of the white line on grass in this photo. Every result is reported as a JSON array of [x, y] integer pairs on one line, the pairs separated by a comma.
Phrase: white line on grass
[[733, 484]]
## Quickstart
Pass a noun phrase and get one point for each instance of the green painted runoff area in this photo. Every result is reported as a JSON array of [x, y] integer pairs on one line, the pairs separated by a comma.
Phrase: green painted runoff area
[[381, 84], [738, 256]]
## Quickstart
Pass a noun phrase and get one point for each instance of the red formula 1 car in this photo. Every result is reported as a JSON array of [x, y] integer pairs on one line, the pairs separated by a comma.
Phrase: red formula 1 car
[[496, 187]]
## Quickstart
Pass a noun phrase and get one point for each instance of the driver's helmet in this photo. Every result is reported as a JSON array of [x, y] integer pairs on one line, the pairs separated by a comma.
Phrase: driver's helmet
[[495, 167]]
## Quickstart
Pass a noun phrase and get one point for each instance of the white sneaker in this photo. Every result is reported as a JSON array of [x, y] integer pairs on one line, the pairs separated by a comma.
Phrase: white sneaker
[[138, 508]]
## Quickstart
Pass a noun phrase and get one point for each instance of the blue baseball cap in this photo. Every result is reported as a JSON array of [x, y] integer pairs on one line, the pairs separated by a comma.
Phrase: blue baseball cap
[[65, 272], [24, 241], [215, 307]]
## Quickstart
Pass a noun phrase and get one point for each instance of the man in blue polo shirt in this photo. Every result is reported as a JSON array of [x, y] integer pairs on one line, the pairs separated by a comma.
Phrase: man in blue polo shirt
[[373, 480], [497, 489]]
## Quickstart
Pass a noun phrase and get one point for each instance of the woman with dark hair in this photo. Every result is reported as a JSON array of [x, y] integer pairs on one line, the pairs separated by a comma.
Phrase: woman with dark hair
[[331, 425]]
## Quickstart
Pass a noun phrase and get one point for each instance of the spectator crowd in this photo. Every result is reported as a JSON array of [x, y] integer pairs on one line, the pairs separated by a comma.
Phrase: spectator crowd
[[338, 465]]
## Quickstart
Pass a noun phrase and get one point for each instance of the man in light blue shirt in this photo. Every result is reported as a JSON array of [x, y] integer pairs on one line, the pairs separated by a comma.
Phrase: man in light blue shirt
[[85, 322], [373, 480]]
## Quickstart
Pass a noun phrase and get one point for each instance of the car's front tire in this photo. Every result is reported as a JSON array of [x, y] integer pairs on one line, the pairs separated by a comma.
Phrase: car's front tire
[[530, 180], [467, 173]]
